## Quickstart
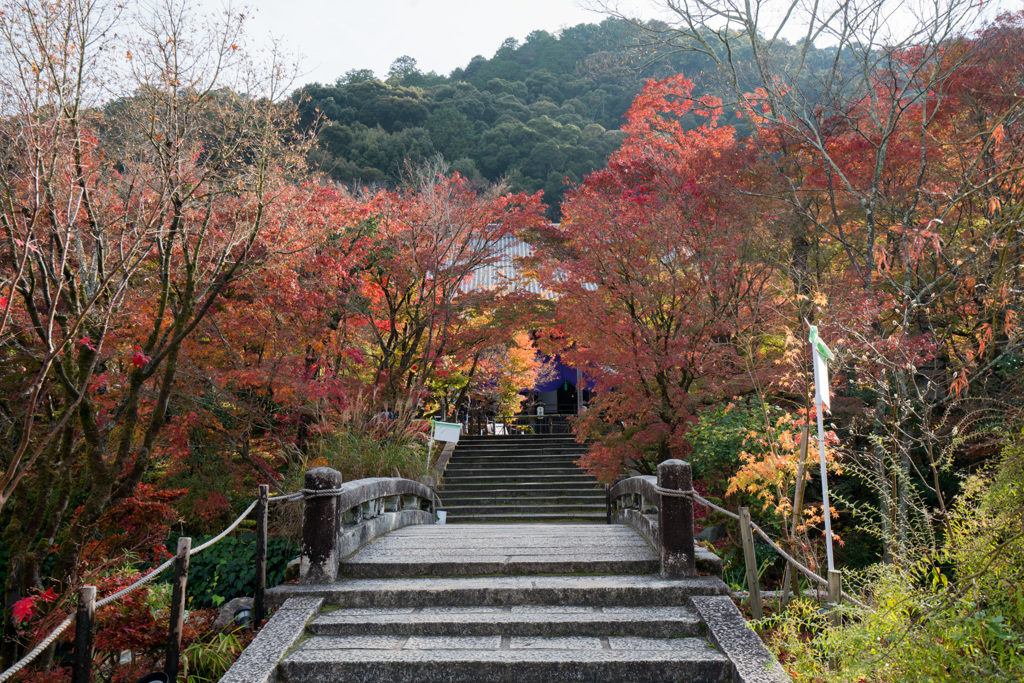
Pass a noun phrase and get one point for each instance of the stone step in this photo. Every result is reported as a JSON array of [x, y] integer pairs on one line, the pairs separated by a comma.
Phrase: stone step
[[550, 479], [520, 442], [515, 461], [531, 490], [528, 466], [524, 508], [512, 470], [533, 445], [493, 659], [549, 449], [517, 458], [474, 498], [524, 465], [648, 590], [553, 486], [519, 620], [516, 438], [533, 518], [502, 564]]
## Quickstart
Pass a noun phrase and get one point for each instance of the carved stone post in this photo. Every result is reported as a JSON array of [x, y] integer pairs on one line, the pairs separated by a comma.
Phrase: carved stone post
[[321, 520], [675, 521]]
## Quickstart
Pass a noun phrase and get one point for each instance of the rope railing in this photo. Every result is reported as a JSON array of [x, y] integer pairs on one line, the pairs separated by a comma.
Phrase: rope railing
[[43, 644], [154, 573], [697, 498], [149, 577], [114, 597]]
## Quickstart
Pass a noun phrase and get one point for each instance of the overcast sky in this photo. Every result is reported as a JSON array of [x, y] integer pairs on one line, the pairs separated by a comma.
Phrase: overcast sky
[[333, 37]]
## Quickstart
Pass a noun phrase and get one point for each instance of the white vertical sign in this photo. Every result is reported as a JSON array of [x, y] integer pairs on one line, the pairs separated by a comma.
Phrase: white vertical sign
[[821, 355]]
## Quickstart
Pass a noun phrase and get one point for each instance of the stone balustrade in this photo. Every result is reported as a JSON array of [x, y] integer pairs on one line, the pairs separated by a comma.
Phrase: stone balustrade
[[665, 521], [336, 525]]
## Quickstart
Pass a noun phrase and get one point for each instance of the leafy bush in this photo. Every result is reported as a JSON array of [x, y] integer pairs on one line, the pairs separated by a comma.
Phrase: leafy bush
[[955, 613], [915, 632], [717, 439], [227, 569]]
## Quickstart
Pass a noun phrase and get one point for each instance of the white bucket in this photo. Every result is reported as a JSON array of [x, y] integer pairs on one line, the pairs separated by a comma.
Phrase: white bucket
[[441, 515]]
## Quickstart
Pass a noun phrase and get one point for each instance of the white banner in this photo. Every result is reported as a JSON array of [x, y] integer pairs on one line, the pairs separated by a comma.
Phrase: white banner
[[821, 355]]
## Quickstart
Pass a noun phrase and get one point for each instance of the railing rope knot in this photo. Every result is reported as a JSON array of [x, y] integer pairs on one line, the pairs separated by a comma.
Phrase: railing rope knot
[[675, 493]]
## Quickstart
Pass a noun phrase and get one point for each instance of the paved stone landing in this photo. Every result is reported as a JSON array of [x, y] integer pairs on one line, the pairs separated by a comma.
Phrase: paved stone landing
[[476, 549]]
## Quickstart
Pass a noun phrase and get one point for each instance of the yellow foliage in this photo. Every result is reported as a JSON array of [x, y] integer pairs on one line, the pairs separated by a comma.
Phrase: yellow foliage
[[769, 464]]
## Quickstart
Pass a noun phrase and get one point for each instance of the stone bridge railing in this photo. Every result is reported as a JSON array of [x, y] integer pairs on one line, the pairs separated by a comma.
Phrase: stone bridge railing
[[658, 508], [338, 519]]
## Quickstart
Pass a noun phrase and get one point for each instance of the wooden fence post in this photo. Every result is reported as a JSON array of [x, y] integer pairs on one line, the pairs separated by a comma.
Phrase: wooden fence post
[[750, 560], [320, 528], [81, 671], [675, 521], [835, 596], [177, 608], [258, 600]]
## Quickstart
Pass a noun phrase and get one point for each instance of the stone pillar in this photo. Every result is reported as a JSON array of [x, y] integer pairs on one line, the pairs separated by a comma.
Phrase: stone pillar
[[321, 526], [675, 521]]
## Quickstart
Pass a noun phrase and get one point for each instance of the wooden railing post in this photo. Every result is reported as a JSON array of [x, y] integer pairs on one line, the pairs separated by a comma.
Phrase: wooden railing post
[[675, 521], [81, 671], [261, 556], [320, 527], [750, 560], [177, 608]]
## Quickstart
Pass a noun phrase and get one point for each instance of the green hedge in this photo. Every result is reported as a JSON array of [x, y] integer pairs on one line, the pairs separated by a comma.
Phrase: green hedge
[[227, 569]]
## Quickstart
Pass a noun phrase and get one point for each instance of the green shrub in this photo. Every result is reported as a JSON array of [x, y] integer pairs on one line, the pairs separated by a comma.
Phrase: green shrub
[[951, 614], [358, 455], [717, 439], [227, 569], [916, 631]]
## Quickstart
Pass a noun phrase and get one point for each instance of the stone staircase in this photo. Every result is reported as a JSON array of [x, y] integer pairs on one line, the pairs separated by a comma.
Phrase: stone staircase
[[518, 629], [386, 595], [532, 624], [528, 478]]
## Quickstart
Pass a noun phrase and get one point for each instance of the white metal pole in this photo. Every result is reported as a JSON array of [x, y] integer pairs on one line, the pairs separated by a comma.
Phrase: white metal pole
[[430, 444], [824, 487]]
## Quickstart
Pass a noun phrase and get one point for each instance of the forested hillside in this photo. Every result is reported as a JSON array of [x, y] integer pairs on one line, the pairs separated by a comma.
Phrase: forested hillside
[[539, 114]]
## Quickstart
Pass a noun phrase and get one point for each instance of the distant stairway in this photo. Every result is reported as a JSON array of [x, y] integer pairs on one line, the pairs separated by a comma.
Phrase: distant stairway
[[520, 479]]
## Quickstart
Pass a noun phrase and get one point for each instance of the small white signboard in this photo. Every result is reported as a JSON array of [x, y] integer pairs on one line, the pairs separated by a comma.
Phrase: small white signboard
[[447, 431]]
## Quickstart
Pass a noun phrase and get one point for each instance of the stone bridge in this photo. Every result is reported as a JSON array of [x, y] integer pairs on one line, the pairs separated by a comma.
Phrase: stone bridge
[[387, 594]]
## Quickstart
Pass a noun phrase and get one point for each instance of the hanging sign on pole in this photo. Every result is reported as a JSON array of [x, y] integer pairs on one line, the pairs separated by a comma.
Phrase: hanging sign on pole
[[821, 355], [447, 431], [443, 431]]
